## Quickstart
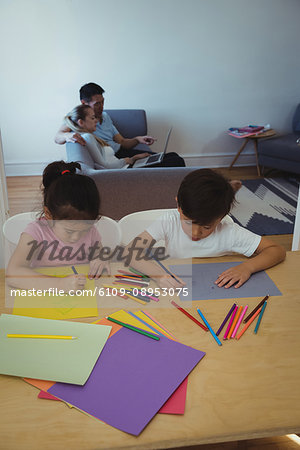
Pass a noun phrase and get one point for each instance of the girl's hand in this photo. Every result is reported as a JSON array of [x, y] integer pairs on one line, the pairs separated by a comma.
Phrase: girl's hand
[[73, 282], [238, 274], [97, 267]]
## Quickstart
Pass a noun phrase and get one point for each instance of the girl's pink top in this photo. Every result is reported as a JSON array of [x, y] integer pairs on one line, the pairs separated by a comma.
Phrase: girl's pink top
[[51, 251]]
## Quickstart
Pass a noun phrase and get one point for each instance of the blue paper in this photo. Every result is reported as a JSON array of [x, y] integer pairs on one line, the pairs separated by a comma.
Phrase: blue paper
[[200, 281]]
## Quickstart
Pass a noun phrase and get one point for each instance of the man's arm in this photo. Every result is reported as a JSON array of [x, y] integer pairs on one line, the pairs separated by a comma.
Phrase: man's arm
[[130, 143], [65, 134]]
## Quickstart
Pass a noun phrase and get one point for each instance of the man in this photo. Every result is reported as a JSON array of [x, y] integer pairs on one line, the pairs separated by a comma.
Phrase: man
[[92, 94]]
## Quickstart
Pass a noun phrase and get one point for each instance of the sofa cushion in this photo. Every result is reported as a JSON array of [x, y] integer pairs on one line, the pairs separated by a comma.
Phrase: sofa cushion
[[283, 147]]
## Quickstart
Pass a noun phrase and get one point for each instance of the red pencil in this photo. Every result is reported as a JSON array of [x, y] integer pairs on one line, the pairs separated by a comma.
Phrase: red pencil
[[189, 315]]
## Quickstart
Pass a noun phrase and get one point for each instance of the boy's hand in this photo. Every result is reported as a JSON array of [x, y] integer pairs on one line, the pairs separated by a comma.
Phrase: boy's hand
[[166, 281], [238, 274], [73, 282], [97, 267]]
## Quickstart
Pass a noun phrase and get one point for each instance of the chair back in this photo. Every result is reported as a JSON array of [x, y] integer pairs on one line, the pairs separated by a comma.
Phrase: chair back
[[134, 224], [110, 232], [129, 122], [296, 233]]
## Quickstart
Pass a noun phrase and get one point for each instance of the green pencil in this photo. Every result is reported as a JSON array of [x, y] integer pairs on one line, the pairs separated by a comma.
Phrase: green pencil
[[137, 330]]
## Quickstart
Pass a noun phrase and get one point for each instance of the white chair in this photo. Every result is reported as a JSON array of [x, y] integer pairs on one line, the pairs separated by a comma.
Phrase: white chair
[[134, 224], [108, 228], [296, 234]]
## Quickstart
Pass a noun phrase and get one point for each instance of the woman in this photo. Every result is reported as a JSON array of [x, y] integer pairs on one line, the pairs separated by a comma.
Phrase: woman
[[82, 120]]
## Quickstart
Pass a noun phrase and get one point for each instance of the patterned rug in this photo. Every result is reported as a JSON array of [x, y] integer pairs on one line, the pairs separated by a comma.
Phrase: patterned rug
[[267, 206]]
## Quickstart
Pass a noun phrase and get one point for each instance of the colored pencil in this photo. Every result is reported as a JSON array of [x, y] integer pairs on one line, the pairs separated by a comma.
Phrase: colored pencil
[[40, 336], [128, 274], [143, 275], [248, 323], [230, 322], [236, 318], [131, 283], [209, 327], [118, 293], [189, 315], [74, 270], [137, 330], [239, 321], [127, 294], [166, 270], [260, 316], [225, 320], [256, 308]]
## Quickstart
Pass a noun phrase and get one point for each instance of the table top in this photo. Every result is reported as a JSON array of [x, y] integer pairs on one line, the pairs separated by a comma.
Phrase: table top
[[245, 389], [265, 134]]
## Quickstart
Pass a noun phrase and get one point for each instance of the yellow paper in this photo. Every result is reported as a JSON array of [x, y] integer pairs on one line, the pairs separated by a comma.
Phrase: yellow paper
[[123, 316], [59, 307], [151, 322]]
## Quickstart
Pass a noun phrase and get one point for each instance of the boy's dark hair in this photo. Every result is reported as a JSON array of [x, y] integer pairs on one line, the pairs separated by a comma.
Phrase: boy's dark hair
[[205, 196], [67, 195], [87, 91]]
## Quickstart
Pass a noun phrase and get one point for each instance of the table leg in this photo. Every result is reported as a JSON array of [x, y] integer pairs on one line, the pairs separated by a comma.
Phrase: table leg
[[239, 152], [256, 156]]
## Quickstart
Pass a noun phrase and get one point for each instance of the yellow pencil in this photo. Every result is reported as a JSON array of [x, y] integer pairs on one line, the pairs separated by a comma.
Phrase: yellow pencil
[[126, 293], [40, 336]]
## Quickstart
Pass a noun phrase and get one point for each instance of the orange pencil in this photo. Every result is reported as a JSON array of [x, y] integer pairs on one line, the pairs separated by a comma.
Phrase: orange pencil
[[248, 323], [234, 322]]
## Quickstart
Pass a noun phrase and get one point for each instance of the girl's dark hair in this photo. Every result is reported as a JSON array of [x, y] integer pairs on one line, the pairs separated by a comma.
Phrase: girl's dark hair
[[68, 195], [205, 196]]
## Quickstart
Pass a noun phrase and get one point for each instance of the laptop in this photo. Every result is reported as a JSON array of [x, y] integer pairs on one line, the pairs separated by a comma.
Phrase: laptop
[[153, 159]]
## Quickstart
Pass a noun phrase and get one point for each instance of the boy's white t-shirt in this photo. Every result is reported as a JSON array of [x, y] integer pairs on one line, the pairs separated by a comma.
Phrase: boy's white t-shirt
[[227, 238]]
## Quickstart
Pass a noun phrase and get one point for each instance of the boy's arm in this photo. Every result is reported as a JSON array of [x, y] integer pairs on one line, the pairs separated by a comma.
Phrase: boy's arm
[[65, 134], [267, 254], [135, 254]]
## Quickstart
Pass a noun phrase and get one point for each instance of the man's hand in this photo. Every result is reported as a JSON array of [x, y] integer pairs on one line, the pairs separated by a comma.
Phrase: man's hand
[[75, 137], [148, 140]]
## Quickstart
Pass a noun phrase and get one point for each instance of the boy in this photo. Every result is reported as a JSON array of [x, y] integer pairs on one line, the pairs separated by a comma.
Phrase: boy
[[201, 227]]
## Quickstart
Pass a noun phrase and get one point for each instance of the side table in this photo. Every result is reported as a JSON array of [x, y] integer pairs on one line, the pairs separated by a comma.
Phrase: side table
[[267, 134]]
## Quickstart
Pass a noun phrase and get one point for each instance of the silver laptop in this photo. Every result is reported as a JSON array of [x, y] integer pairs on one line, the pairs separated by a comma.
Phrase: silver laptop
[[153, 159]]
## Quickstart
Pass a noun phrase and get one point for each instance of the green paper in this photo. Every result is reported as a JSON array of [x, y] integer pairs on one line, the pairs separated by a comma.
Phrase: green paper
[[67, 361]]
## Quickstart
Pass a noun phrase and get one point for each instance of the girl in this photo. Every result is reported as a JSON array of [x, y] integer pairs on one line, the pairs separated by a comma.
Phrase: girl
[[63, 235], [82, 120]]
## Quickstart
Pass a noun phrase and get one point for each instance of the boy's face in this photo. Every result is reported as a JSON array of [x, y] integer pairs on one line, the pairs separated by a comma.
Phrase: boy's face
[[195, 231]]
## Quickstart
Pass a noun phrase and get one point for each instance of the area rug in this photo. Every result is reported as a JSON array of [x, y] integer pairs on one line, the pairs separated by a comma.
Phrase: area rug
[[267, 206]]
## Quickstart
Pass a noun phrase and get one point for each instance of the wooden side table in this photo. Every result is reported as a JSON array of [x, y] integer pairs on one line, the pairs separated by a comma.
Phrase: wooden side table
[[254, 138]]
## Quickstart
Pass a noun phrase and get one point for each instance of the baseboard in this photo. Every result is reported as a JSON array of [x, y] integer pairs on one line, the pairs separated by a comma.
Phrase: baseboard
[[208, 160], [25, 168]]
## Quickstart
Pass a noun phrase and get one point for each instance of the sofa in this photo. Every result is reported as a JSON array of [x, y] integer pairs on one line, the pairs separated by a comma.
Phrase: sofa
[[282, 152], [124, 191]]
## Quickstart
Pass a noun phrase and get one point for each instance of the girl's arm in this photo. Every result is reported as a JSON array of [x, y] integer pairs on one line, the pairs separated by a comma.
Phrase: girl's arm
[[267, 254], [19, 274]]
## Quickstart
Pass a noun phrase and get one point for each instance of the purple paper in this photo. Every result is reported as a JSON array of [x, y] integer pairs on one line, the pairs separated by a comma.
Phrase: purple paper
[[133, 377], [200, 281]]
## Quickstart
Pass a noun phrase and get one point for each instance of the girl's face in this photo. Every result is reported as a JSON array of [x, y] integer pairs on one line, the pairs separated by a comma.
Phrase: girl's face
[[195, 231], [89, 123], [70, 231]]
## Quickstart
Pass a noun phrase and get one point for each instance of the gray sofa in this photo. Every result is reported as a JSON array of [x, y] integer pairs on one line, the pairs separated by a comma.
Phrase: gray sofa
[[282, 152], [124, 191]]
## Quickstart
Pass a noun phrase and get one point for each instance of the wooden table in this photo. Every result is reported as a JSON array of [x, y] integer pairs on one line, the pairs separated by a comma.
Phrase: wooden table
[[243, 390], [255, 138]]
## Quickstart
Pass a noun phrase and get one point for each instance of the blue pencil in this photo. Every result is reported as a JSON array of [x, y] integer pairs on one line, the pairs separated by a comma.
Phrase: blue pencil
[[166, 270], [260, 316], [209, 327], [74, 270]]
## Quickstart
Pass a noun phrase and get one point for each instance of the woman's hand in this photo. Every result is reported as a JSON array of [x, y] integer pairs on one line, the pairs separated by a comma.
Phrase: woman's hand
[[97, 267], [238, 274], [136, 157]]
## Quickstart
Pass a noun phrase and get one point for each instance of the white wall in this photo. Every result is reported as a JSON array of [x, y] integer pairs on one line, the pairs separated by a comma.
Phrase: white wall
[[199, 65]]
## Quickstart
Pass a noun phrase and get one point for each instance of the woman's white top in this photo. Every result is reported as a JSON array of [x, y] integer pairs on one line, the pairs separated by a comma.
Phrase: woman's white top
[[103, 156]]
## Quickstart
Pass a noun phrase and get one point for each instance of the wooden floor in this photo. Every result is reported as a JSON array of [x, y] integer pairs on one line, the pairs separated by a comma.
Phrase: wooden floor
[[24, 194]]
